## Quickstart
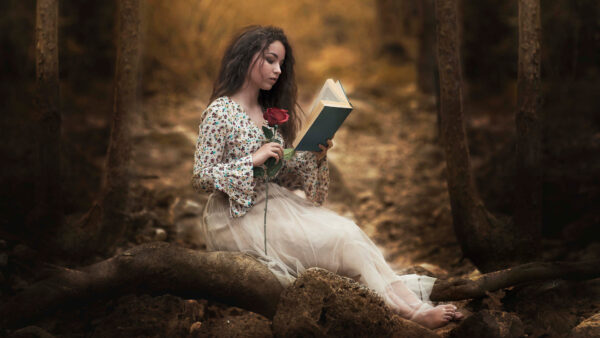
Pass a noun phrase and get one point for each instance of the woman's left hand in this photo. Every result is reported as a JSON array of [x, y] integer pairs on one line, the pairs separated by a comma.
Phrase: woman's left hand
[[323, 153]]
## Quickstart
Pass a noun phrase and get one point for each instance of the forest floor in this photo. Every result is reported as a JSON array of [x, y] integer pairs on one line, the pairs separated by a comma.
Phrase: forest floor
[[387, 173]]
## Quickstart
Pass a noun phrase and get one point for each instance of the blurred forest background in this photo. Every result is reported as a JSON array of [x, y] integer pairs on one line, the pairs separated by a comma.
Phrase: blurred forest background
[[388, 168]]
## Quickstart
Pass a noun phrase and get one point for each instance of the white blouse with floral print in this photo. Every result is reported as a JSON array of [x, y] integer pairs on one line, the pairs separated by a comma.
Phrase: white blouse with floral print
[[223, 160]]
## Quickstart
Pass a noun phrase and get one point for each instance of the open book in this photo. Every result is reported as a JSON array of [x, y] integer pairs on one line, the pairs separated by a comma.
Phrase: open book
[[327, 113]]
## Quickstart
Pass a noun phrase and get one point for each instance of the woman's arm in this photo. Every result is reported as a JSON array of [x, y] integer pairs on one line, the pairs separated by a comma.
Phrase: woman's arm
[[211, 170], [305, 171]]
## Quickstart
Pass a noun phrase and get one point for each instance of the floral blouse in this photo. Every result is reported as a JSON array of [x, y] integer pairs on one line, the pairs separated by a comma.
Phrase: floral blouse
[[223, 160]]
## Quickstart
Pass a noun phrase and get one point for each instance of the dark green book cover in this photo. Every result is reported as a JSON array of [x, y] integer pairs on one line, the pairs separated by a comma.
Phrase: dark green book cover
[[323, 128]]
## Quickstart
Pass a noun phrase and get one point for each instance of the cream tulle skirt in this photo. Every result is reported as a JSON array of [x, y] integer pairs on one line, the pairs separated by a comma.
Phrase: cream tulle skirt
[[301, 235]]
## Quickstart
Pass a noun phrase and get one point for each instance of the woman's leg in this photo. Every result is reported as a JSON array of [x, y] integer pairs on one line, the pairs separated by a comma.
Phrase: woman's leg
[[361, 256]]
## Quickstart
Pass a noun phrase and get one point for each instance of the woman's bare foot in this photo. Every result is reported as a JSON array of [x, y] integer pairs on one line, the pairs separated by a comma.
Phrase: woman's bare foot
[[458, 316], [436, 317]]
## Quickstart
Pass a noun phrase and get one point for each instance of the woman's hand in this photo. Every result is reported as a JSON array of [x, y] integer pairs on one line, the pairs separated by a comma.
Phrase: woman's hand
[[271, 149], [323, 152]]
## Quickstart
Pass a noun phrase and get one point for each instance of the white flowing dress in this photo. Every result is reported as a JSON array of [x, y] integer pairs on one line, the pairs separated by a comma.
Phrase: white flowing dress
[[300, 233]]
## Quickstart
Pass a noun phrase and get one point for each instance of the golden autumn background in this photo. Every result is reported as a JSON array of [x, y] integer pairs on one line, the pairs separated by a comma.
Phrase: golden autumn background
[[388, 168]]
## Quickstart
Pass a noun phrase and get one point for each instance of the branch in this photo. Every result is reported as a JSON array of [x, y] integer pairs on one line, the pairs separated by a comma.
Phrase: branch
[[458, 289]]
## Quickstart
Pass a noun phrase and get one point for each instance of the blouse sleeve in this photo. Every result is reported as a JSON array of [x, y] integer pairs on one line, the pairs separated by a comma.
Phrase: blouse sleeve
[[211, 171], [303, 171]]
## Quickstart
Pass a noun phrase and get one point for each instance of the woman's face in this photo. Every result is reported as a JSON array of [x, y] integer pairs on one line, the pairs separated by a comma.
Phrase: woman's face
[[267, 68]]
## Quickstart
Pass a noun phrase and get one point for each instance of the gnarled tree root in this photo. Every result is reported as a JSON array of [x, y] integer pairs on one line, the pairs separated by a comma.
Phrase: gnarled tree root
[[154, 268], [232, 278], [458, 289]]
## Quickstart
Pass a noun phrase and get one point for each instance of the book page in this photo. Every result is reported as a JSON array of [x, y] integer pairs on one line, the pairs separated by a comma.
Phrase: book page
[[329, 95], [327, 92], [341, 92]]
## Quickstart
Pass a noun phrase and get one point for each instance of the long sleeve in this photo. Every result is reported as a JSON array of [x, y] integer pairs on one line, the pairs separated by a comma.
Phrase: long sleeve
[[211, 170], [303, 171]]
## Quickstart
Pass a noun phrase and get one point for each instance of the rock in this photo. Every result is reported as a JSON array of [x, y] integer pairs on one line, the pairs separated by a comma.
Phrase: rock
[[147, 316], [186, 208], [187, 217], [590, 327], [248, 324], [491, 324], [195, 328], [160, 234], [189, 230], [31, 332], [321, 303]]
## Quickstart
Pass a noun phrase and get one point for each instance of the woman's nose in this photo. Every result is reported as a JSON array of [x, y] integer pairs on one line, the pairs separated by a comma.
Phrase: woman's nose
[[277, 69]]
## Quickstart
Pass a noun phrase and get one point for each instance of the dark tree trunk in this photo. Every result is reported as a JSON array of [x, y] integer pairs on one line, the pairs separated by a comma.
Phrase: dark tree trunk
[[484, 239], [105, 222], [528, 188], [47, 214], [115, 193], [427, 63], [391, 30]]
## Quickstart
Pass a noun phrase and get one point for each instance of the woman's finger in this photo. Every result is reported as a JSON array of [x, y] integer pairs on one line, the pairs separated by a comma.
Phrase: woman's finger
[[276, 155], [276, 148]]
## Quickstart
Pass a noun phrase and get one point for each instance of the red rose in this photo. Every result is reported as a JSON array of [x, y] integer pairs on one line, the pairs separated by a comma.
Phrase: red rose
[[276, 116]]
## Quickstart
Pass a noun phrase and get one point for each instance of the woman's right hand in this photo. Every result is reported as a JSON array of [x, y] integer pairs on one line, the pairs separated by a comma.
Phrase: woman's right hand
[[271, 149]]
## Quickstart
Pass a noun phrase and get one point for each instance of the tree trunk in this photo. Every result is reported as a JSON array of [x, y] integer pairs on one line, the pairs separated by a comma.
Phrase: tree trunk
[[427, 63], [48, 197], [390, 24], [105, 222], [232, 278], [115, 194], [484, 239], [528, 188]]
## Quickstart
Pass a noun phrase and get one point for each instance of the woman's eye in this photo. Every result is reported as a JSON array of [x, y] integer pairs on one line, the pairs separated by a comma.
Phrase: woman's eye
[[269, 60]]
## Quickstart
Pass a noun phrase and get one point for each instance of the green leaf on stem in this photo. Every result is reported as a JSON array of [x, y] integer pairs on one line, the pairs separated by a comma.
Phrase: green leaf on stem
[[258, 171], [288, 153], [270, 162], [268, 132], [272, 170]]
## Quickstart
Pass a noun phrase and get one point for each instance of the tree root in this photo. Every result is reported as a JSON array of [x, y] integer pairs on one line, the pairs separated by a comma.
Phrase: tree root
[[231, 278], [458, 289], [155, 268]]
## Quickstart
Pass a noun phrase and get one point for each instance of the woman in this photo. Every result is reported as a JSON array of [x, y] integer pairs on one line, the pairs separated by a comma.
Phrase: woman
[[257, 72]]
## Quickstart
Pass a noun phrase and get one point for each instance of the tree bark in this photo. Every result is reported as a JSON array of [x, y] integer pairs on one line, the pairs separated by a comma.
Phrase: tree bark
[[48, 197], [115, 194], [484, 239], [232, 278], [105, 222], [528, 188], [155, 268], [427, 63], [450, 290], [390, 24]]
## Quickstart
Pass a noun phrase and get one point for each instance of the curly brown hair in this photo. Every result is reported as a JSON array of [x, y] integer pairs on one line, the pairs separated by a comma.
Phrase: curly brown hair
[[235, 67]]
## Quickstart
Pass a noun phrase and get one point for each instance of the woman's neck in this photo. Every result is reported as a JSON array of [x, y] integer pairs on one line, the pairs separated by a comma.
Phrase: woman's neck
[[247, 96]]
